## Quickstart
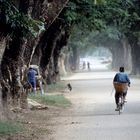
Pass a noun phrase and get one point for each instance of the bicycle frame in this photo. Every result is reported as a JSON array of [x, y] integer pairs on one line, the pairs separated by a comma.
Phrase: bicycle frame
[[121, 103]]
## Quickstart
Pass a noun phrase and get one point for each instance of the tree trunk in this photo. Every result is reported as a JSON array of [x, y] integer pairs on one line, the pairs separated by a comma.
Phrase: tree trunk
[[3, 109], [135, 60], [11, 71], [75, 58], [61, 43], [135, 49], [121, 55], [118, 57], [67, 63], [48, 43], [61, 64], [127, 54]]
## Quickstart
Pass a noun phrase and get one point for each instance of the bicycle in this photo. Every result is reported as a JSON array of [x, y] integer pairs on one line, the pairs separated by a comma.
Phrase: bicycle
[[121, 103], [120, 88]]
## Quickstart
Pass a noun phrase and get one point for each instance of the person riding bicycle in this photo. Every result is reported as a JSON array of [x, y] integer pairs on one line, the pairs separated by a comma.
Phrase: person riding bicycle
[[121, 77]]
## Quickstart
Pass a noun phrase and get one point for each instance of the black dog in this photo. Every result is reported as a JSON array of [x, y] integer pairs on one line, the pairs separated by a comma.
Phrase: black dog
[[69, 86]]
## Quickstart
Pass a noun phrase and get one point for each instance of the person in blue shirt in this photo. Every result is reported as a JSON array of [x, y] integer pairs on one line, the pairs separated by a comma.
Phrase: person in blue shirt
[[31, 78], [121, 77]]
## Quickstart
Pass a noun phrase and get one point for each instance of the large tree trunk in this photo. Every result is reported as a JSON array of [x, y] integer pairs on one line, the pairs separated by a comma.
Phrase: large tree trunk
[[127, 54], [49, 41], [61, 42], [75, 58], [67, 63], [61, 64], [46, 63], [135, 59], [121, 55], [11, 71], [3, 109], [118, 57], [135, 47], [11, 61]]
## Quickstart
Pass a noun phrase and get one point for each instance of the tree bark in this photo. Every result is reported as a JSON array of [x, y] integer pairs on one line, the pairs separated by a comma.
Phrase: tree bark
[[135, 47], [47, 44], [11, 64], [127, 54], [121, 55], [61, 64], [118, 58], [75, 58]]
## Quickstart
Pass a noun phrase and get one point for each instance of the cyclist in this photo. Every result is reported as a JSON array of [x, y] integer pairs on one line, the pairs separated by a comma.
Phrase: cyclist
[[121, 77]]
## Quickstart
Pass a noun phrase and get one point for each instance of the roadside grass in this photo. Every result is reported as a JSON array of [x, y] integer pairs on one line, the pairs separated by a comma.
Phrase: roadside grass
[[52, 100], [56, 87], [9, 128]]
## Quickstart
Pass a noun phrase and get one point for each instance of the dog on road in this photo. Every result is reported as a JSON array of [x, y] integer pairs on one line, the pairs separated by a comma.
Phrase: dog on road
[[69, 87]]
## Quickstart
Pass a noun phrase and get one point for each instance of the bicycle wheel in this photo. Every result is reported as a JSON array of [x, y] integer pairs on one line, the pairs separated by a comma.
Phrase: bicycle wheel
[[120, 105], [119, 108]]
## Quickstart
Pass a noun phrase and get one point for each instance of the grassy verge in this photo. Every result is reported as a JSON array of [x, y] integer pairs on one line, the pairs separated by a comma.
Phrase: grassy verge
[[56, 87], [54, 100], [9, 128]]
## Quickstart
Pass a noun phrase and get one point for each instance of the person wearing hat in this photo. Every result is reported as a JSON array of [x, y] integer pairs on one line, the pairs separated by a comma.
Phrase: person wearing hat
[[121, 77]]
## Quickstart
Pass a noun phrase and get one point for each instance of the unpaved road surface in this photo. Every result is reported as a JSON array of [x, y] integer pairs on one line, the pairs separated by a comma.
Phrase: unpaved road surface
[[92, 115]]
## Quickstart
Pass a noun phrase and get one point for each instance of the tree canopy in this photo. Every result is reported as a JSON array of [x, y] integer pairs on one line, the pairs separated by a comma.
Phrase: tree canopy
[[116, 18]]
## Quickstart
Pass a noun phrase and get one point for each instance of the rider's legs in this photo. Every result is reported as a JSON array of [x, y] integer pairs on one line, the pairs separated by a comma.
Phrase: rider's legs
[[124, 95]]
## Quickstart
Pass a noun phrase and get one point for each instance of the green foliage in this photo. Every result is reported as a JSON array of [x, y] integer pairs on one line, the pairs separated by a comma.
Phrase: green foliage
[[125, 14], [113, 19], [54, 100], [85, 14], [9, 127], [71, 14], [17, 20], [112, 33]]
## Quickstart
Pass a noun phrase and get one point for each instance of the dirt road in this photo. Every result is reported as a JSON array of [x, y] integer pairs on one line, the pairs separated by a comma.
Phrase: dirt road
[[92, 115]]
